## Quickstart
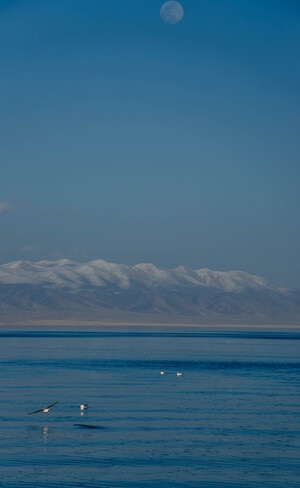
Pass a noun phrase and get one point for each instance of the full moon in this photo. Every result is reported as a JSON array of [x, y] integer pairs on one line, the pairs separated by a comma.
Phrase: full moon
[[171, 12]]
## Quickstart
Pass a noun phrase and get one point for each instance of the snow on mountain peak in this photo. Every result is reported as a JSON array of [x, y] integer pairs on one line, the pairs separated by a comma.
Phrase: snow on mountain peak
[[72, 275], [236, 281]]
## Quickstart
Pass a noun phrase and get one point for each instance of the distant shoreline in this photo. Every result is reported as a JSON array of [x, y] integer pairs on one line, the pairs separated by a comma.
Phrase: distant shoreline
[[41, 324]]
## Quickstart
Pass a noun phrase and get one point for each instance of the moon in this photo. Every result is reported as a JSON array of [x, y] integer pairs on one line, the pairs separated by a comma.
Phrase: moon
[[171, 12]]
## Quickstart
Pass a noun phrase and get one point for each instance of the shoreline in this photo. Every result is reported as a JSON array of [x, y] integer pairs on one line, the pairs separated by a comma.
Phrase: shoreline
[[80, 324]]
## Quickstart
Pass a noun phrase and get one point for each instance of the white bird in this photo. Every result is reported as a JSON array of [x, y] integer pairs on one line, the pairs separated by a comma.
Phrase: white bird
[[162, 372], [44, 410], [83, 406], [179, 373]]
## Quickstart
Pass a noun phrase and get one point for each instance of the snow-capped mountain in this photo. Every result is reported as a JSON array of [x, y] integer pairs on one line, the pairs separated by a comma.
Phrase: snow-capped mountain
[[73, 276], [102, 291]]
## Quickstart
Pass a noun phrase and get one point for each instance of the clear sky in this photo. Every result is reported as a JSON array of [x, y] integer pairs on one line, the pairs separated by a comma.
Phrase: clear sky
[[125, 138]]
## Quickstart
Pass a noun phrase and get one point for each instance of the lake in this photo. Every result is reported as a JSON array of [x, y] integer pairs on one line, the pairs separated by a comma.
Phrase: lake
[[232, 418]]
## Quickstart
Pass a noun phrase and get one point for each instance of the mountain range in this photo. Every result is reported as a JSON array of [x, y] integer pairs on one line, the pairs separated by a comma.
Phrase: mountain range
[[100, 292]]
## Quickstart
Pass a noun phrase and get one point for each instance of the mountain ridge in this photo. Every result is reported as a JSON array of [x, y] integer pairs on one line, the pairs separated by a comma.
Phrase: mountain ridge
[[102, 291]]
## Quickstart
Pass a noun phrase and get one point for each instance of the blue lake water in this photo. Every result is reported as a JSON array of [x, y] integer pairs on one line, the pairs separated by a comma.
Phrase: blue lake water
[[232, 419]]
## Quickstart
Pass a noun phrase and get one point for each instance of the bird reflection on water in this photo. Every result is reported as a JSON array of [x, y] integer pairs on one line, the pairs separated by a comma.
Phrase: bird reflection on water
[[45, 431], [35, 431]]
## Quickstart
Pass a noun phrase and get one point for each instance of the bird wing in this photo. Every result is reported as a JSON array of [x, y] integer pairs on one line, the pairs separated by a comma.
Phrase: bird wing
[[52, 404], [36, 411], [42, 409]]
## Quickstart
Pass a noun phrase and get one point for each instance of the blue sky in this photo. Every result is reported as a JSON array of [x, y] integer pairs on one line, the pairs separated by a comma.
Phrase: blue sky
[[132, 140]]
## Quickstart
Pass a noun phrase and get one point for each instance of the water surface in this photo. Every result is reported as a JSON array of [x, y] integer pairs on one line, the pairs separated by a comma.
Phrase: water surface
[[232, 418]]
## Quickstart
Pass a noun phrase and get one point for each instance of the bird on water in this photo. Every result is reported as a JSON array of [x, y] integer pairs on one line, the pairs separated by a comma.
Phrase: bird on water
[[83, 406], [44, 410]]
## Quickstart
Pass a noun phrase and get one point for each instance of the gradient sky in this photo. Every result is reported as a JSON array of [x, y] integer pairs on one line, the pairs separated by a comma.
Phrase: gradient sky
[[132, 140]]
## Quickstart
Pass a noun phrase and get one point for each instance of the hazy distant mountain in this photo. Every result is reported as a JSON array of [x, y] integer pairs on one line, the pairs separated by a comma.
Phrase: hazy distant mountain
[[105, 292]]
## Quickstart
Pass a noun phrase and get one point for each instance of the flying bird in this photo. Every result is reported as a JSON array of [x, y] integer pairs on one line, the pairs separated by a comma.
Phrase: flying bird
[[44, 410]]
